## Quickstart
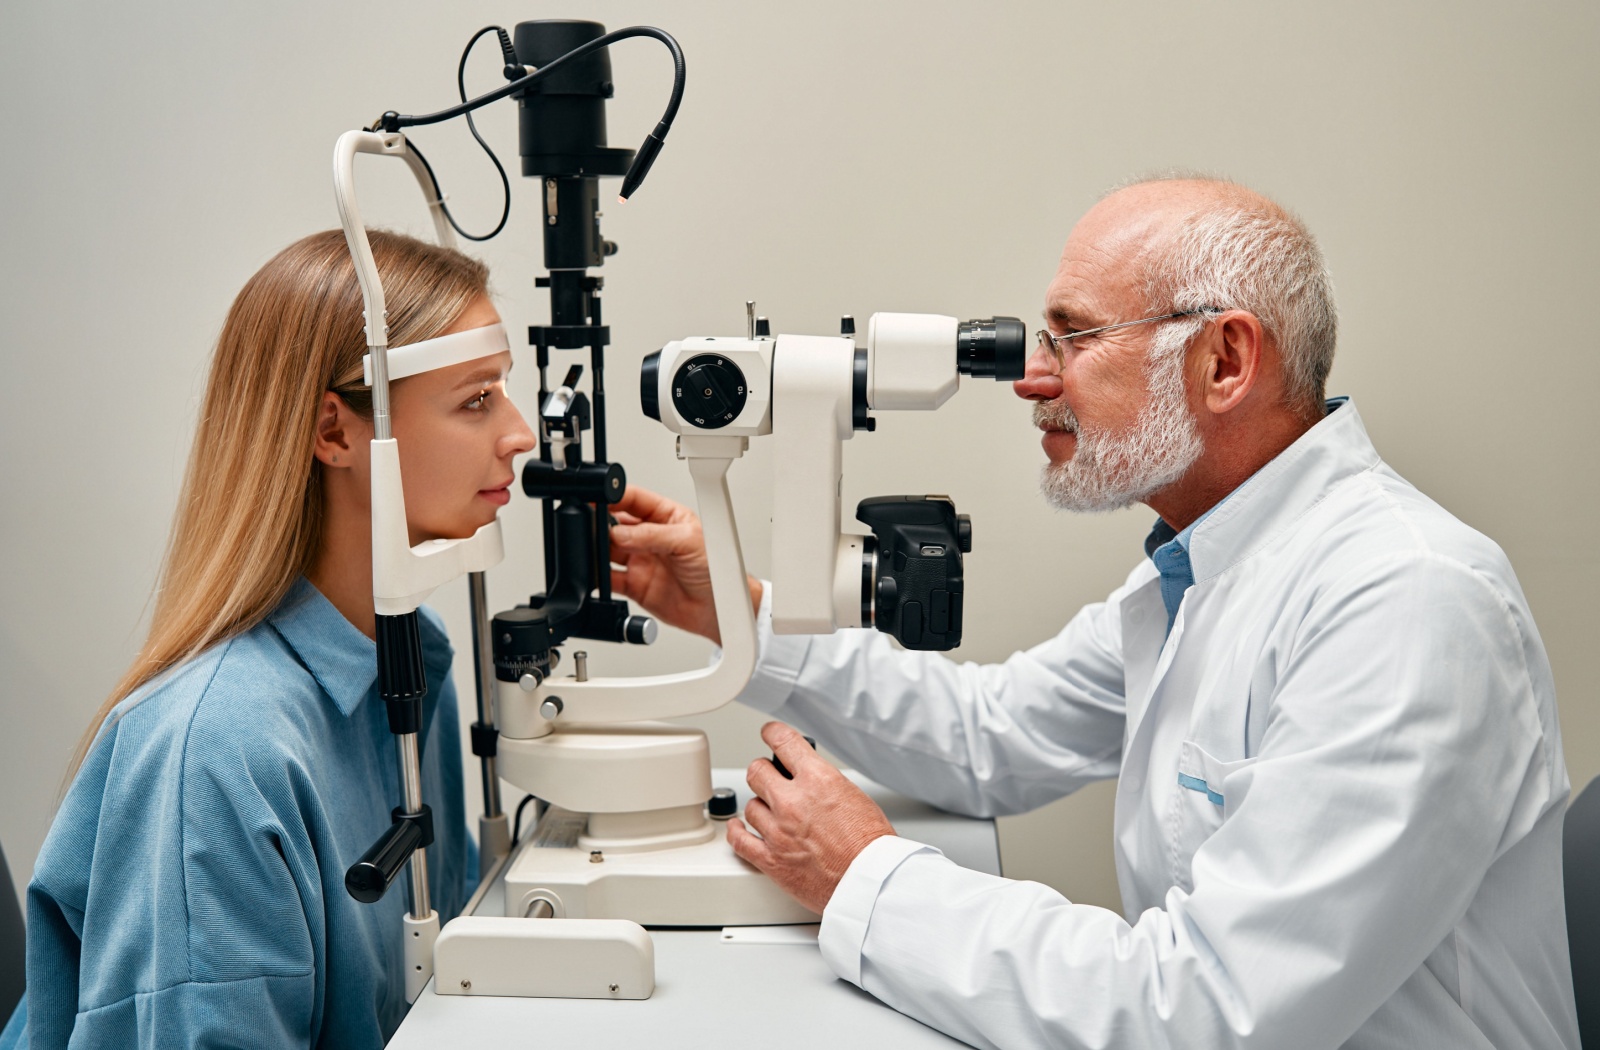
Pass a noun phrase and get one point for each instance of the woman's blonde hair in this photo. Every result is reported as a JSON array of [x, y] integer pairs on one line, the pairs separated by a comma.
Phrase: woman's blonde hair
[[249, 520]]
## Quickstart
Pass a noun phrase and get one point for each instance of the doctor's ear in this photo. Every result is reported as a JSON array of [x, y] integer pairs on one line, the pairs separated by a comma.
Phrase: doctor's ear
[[1230, 356], [338, 428]]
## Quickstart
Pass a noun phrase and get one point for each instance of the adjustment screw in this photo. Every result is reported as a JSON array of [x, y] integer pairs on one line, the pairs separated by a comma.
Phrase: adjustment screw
[[596, 857], [612, 987], [466, 985]]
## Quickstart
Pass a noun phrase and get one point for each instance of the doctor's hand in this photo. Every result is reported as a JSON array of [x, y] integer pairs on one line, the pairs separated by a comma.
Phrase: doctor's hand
[[659, 558], [811, 827]]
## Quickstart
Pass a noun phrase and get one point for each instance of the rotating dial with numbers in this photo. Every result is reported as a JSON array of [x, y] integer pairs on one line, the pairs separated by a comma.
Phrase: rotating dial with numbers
[[709, 391]]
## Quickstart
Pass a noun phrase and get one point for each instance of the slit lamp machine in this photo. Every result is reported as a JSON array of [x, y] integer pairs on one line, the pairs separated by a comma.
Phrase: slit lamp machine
[[627, 835]]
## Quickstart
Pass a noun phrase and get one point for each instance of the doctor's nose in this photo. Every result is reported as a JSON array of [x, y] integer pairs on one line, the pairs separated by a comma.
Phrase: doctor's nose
[[1040, 381]]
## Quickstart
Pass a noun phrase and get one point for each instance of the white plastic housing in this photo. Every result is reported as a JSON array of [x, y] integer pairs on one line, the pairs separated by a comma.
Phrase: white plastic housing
[[420, 936], [911, 364], [701, 885], [611, 769], [545, 958], [911, 360], [812, 384], [753, 358]]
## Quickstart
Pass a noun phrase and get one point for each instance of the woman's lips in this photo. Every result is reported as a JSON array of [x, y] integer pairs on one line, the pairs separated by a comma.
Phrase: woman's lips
[[499, 496]]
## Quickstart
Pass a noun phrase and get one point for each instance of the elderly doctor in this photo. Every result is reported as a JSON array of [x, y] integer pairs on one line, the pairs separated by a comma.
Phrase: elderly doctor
[[1340, 780]]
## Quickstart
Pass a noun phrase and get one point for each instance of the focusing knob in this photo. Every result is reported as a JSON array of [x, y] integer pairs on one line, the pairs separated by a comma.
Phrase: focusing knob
[[723, 804], [709, 391], [964, 533], [521, 643]]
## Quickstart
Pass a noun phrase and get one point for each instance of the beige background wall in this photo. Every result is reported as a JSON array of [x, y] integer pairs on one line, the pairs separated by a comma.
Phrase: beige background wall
[[829, 158]]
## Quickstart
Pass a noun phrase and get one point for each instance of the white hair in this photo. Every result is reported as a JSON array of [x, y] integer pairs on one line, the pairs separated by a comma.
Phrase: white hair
[[1241, 251]]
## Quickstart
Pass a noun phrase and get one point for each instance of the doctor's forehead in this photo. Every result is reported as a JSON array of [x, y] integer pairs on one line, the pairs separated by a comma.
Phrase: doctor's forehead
[[1094, 284]]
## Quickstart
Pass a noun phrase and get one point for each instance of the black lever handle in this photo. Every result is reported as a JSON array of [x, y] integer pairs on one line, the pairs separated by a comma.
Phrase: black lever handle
[[369, 878]]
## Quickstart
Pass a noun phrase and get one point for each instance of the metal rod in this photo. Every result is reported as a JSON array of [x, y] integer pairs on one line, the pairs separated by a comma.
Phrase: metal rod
[[483, 666], [597, 382], [411, 791], [380, 392]]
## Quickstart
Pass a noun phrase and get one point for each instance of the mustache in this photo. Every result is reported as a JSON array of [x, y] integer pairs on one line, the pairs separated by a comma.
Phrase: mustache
[[1054, 415]]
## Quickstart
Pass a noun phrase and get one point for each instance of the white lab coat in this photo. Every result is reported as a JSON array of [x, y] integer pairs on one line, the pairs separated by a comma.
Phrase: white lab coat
[[1339, 804]]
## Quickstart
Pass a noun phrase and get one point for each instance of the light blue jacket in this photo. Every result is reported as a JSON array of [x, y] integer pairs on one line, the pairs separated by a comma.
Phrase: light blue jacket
[[191, 891]]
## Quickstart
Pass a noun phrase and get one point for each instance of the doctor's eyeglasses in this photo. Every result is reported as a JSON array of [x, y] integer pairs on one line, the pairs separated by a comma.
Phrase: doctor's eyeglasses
[[1055, 346]]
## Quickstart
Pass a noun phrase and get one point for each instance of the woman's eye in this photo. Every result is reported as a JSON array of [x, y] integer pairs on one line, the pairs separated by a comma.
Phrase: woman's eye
[[479, 402]]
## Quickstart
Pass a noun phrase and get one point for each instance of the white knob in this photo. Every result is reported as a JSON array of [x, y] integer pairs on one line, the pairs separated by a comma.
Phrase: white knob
[[550, 709], [528, 682]]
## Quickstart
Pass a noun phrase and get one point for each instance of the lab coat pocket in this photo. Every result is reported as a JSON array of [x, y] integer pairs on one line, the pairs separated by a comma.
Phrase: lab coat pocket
[[1199, 805]]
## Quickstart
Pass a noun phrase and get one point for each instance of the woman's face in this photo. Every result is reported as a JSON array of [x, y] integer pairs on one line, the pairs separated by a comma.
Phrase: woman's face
[[457, 433]]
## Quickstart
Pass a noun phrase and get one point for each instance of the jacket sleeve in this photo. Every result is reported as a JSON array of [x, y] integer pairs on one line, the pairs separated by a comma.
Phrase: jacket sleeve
[[1403, 754], [968, 738]]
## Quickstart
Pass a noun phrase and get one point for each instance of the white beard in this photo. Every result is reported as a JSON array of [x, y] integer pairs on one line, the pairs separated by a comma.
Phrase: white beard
[[1112, 471]]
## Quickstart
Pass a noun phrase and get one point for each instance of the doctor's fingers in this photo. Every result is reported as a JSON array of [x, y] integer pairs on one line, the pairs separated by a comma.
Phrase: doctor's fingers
[[770, 786], [651, 506], [797, 754], [760, 819], [675, 540], [746, 846]]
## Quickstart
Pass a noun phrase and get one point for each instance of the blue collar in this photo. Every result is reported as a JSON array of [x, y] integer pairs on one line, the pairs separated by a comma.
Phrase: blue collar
[[342, 659], [1169, 551]]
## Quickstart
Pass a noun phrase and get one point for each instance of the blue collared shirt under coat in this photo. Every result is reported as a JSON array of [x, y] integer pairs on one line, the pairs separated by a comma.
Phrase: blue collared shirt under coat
[[191, 890], [1168, 551]]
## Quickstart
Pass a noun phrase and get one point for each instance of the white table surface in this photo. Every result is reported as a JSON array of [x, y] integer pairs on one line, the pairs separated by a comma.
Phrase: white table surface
[[710, 991]]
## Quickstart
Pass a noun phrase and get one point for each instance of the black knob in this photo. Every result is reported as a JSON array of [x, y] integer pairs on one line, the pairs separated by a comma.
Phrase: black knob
[[709, 391], [723, 804], [888, 597], [650, 385], [763, 329], [847, 325], [640, 630], [964, 533], [520, 639]]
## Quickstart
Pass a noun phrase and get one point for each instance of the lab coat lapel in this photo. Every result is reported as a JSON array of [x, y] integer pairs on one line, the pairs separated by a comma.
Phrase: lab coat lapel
[[1144, 628]]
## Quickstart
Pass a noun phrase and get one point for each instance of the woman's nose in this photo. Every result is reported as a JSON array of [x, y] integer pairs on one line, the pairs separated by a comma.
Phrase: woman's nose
[[1040, 381], [519, 437]]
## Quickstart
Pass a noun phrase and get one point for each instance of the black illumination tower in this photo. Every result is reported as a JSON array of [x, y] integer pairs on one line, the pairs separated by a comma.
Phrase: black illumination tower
[[562, 133]]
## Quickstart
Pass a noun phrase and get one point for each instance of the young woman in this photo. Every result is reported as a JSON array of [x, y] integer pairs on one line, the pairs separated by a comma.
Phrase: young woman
[[191, 889]]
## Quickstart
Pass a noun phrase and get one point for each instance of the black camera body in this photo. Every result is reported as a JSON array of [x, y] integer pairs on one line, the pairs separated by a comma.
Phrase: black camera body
[[911, 578]]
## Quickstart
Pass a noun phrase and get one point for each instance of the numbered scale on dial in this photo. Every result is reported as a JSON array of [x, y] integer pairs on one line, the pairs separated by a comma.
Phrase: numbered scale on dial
[[709, 391]]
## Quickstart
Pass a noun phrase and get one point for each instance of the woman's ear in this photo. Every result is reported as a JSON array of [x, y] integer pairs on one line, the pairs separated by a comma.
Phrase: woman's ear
[[338, 429]]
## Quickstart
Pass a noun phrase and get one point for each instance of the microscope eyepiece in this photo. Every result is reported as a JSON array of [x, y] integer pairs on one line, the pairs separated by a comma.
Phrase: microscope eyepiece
[[992, 348]]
